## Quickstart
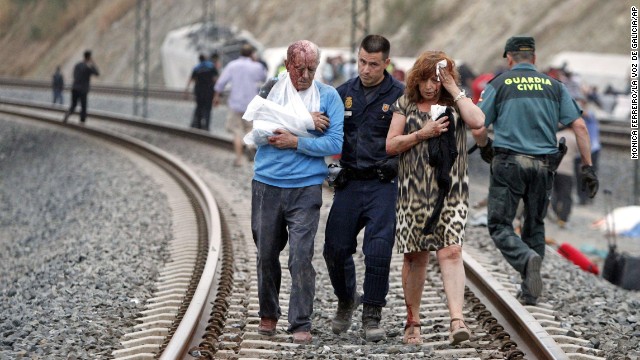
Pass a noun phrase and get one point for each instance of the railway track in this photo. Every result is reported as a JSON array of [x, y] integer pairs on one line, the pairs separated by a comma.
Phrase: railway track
[[220, 320], [155, 92]]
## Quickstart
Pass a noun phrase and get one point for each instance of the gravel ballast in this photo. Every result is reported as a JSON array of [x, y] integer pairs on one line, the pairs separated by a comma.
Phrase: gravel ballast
[[77, 250]]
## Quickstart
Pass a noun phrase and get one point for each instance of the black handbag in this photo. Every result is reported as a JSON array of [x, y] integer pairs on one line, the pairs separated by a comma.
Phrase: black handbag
[[620, 269]]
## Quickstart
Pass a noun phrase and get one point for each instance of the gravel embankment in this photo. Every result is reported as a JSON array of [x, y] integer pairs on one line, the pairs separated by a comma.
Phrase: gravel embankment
[[77, 251]]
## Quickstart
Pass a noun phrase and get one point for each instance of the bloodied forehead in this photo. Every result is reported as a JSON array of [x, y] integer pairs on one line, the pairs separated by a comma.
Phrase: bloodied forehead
[[302, 52]]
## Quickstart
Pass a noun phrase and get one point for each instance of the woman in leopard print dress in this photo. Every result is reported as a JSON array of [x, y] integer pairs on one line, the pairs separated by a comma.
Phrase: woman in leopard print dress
[[412, 127]]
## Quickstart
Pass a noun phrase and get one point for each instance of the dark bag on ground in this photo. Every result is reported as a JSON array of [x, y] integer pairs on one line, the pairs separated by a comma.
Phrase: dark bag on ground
[[619, 269], [622, 269]]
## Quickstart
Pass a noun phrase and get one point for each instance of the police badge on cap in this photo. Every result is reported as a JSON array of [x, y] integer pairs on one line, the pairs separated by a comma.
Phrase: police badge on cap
[[519, 43]]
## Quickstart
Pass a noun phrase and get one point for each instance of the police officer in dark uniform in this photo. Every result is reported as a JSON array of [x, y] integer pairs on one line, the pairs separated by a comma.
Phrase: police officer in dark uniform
[[367, 199], [82, 73], [57, 83], [525, 108], [204, 75]]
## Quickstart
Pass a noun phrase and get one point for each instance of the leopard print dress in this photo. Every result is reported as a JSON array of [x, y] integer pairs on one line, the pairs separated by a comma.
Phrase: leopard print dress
[[418, 190]]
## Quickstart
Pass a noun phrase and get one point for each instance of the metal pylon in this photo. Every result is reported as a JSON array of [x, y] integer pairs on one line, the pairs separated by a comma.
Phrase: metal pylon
[[208, 24], [141, 58], [208, 11], [359, 22]]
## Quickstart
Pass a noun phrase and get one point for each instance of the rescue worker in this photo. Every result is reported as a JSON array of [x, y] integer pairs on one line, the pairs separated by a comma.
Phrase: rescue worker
[[204, 76], [368, 198], [525, 106]]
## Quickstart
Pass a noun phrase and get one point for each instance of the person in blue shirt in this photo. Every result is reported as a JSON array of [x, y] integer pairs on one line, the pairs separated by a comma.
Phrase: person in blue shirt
[[57, 83], [524, 107], [287, 196], [204, 76], [368, 199]]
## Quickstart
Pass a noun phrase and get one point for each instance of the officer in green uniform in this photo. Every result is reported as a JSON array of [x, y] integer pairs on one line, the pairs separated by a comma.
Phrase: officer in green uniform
[[525, 108]]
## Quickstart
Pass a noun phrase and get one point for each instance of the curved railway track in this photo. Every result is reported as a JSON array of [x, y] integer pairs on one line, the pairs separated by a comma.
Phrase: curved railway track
[[206, 302], [155, 92]]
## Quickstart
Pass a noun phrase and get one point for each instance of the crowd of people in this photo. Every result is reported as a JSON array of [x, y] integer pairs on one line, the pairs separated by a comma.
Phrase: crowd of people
[[402, 141], [403, 177]]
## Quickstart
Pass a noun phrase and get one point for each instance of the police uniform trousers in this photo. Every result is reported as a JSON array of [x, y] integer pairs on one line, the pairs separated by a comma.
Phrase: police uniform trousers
[[81, 96], [368, 204], [202, 113], [281, 215], [516, 177]]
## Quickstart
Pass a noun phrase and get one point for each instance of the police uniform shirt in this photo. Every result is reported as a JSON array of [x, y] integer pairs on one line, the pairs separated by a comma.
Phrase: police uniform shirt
[[525, 107], [366, 122], [82, 76], [203, 74]]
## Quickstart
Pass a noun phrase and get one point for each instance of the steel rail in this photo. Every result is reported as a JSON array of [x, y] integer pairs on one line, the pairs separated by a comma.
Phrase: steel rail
[[153, 91], [206, 206], [523, 329], [195, 134]]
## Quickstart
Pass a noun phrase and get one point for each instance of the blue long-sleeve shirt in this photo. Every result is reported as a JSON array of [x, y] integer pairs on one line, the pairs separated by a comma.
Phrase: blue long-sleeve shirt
[[304, 166]]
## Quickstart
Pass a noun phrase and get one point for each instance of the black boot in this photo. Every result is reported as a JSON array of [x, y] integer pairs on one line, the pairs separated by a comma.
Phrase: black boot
[[342, 321], [371, 316]]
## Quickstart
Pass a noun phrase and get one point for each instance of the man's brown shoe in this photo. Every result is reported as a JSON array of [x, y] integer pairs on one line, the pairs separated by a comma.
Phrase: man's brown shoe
[[267, 326], [302, 337]]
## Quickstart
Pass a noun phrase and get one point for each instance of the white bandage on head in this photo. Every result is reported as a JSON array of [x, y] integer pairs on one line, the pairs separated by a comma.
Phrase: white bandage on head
[[440, 64]]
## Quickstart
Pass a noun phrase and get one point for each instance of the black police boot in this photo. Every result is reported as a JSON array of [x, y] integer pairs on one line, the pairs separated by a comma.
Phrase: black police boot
[[342, 321], [532, 284], [371, 316]]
